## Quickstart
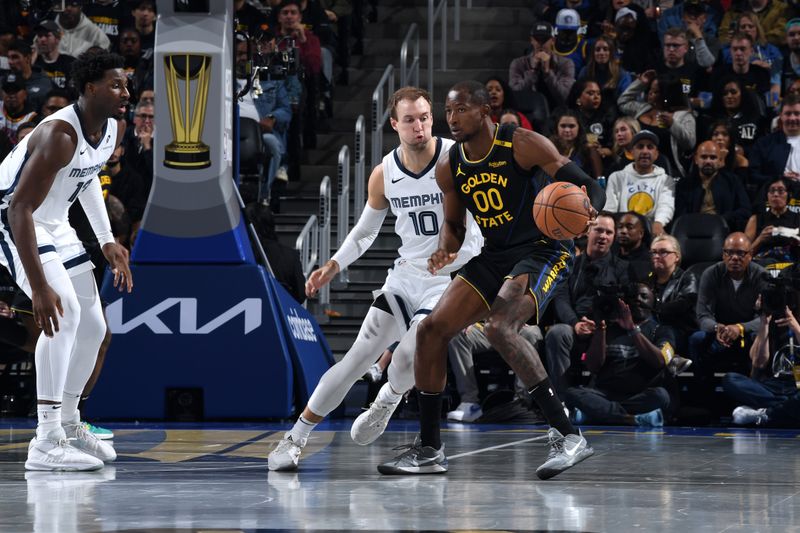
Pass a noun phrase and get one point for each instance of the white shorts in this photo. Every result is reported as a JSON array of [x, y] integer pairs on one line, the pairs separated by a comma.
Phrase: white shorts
[[54, 243], [415, 288]]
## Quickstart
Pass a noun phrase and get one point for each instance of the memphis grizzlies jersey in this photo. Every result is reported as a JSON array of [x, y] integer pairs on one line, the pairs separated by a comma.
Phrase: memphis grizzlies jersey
[[417, 203], [71, 180]]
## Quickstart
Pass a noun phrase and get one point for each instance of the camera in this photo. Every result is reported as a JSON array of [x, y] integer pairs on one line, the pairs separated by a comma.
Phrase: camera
[[605, 303], [278, 64], [779, 293]]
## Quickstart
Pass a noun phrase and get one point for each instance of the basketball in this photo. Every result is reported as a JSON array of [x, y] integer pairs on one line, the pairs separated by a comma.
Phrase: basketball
[[561, 210]]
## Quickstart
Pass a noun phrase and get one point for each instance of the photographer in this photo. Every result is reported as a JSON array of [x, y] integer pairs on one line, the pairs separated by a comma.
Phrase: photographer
[[573, 301], [726, 313], [626, 355], [770, 381]]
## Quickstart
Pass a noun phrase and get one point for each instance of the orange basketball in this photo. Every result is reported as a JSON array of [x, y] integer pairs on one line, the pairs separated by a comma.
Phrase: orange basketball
[[561, 210]]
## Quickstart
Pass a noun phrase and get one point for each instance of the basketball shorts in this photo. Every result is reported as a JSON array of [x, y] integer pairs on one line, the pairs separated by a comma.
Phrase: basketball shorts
[[546, 262], [410, 292], [59, 243]]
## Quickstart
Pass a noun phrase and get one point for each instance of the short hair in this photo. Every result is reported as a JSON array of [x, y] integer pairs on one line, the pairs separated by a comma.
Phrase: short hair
[[285, 3], [742, 36], [677, 32], [407, 93], [20, 46], [790, 99], [57, 92], [609, 214], [672, 241], [476, 90], [141, 104], [92, 66]]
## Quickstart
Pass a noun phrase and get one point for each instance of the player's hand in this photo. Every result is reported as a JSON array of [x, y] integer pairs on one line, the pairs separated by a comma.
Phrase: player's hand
[[321, 277], [440, 259], [592, 215], [46, 309], [117, 257]]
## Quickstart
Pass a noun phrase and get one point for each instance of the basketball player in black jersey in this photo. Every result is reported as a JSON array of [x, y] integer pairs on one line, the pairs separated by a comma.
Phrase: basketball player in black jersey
[[494, 172]]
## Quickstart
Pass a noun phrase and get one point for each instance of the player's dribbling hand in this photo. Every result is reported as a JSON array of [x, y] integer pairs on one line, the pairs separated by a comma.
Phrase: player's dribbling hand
[[440, 259], [592, 216], [46, 309], [321, 277], [117, 257]]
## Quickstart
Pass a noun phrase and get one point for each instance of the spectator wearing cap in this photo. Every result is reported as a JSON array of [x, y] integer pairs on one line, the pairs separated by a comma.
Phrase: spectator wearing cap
[[790, 70], [144, 17], [771, 14], [543, 70], [78, 32], [15, 107], [53, 63], [687, 15], [643, 187], [571, 42], [635, 45], [108, 15], [37, 84]]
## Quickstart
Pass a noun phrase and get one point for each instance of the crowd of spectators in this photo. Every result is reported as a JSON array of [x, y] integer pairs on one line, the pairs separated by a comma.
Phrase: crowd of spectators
[[679, 109]]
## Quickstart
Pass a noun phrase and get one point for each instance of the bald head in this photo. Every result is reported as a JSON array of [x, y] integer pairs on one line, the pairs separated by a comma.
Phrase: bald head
[[707, 158], [736, 254], [739, 239]]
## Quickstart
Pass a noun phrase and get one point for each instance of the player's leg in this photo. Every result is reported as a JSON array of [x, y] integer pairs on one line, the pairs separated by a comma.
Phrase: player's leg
[[460, 306], [90, 334], [378, 331], [49, 450]]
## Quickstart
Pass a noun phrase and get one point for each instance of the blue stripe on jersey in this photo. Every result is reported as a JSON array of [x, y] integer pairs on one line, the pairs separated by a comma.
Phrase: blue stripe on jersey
[[422, 312], [75, 261], [16, 178], [9, 258], [401, 304], [46, 248]]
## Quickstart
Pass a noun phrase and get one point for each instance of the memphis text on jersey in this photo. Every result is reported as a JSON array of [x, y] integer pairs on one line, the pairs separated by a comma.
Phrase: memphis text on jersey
[[417, 200], [488, 200], [83, 172]]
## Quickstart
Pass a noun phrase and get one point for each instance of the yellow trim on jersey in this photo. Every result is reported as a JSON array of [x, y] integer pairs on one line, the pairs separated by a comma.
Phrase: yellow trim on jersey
[[489, 307], [504, 144], [494, 141]]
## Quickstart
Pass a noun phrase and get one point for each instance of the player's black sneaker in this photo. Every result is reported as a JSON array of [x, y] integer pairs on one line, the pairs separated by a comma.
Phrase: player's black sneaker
[[416, 459]]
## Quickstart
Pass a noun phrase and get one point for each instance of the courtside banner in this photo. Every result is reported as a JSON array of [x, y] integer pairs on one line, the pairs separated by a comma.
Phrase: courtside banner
[[214, 328], [310, 352]]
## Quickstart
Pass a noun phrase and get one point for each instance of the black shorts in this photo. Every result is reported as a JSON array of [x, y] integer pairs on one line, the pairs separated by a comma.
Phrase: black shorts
[[547, 263]]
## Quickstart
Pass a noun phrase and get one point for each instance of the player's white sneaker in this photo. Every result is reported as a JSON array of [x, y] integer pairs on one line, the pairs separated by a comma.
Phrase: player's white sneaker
[[54, 453], [371, 423], [86, 441], [286, 454]]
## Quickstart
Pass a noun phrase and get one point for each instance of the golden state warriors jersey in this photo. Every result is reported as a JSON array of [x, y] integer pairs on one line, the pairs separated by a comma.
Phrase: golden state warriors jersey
[[497, 192]]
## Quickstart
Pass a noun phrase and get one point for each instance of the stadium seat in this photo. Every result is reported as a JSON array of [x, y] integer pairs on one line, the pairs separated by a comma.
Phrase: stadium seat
[[701, 237]]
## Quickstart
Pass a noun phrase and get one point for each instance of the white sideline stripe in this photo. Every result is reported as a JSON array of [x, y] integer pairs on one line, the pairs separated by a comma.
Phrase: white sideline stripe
[[506, 445]]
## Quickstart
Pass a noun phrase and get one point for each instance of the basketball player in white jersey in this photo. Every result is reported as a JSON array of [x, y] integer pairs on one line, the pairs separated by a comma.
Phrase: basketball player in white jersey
[[47, 171], [405, 183]]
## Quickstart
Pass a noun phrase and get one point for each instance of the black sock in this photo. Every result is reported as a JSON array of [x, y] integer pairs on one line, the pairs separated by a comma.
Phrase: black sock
[[551, 406], [430, 411]]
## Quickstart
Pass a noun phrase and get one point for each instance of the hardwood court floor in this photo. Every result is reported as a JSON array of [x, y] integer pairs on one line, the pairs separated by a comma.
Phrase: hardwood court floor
[[213, 477]]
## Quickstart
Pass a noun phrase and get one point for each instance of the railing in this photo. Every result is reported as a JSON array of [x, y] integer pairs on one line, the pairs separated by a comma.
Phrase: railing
[[409, 74], [440, 13], [359, 169], [343, 206], [307, 245], [324, 224], [380, 113]]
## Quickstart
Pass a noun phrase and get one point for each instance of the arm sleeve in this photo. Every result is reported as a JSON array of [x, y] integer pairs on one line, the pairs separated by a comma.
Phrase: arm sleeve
[[573, 174], [612, 196], [702, 54], [705, 305], [627, 102], [666, 202], [95, 208], [360, 237]]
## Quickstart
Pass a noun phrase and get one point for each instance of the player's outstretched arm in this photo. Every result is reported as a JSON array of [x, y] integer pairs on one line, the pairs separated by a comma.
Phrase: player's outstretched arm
[[454, 228], [360, 237], [532, 149], [49, 149]]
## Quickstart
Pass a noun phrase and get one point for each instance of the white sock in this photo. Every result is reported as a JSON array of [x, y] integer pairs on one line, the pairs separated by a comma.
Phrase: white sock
[[49, 415], [388, 395], [302, 429], [69, 408]]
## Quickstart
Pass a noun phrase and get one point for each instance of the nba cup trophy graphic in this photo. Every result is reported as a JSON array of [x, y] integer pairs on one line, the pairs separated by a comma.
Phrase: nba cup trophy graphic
[[200, 293], [187, 112]]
